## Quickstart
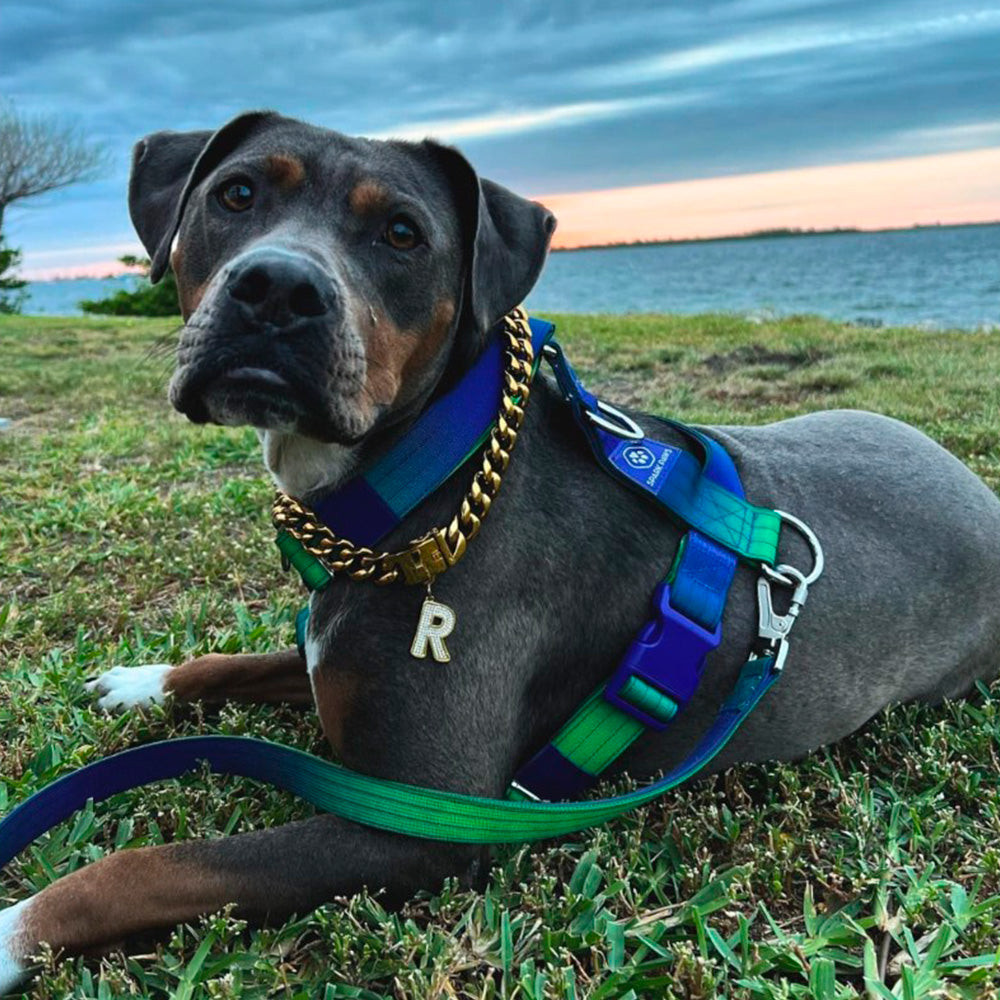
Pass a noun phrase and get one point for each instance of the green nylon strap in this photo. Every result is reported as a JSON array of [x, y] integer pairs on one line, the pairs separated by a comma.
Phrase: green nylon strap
[[598, 732], [449, 816], [747, 530], [744, 528], [314, 574]]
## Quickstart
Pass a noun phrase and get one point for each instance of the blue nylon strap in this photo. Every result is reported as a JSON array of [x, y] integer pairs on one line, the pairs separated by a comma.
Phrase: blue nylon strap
[[371, 505], [675, 479], [701, 584], [668, 655]]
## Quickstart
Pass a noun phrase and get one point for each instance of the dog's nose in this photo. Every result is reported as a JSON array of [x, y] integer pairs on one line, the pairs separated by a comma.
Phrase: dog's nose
[[280, 287]]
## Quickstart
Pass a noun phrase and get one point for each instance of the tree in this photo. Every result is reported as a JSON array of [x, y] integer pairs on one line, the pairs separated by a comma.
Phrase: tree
[[146, 300], [12, 292], [40, 153]]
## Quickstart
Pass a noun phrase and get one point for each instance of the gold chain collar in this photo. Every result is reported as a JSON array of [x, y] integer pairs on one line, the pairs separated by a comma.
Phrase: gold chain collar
[[440, 548]]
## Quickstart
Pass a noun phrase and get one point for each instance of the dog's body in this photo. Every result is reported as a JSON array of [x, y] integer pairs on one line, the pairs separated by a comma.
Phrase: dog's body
[[558, 581]]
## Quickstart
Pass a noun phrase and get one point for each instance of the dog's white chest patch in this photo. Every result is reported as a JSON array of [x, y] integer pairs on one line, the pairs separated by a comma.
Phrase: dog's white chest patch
[[314, 652]]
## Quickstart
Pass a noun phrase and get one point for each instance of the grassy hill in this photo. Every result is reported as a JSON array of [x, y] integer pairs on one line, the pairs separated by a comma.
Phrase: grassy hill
[[870, 869]]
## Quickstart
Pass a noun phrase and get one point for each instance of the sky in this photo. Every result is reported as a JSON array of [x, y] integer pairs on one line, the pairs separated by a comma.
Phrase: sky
[[631, 120]]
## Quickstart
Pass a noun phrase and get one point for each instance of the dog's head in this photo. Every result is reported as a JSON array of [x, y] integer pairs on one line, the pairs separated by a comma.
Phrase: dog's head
[[327, 282]]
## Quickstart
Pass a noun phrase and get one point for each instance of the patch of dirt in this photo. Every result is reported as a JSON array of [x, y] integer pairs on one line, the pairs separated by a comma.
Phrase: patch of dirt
[[14, 408], [771, 393], [632, 390], [757, 354]]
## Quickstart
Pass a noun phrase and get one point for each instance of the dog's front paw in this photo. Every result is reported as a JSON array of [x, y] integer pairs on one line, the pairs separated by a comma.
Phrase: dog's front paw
[[13, 967], [122, 688]]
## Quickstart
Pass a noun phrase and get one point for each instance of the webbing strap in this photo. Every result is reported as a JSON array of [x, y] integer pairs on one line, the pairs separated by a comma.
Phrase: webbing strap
[[673, 477], [604, 726], [387, 805]]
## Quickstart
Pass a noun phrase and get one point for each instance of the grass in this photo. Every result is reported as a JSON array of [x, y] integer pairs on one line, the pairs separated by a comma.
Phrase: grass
[[871, 869]]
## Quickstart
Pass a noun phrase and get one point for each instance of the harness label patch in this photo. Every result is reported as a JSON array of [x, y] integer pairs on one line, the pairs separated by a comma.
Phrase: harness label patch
[[645, 462], [638, 456]]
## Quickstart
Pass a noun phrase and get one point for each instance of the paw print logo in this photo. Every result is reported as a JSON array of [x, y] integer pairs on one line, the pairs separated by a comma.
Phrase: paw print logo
[[639, 456]]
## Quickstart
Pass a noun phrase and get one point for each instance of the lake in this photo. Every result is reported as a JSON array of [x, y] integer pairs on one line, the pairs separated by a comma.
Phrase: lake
[[941, 277]]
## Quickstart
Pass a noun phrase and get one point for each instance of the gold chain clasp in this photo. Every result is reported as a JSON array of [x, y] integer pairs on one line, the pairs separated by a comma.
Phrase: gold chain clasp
[[426, 558]]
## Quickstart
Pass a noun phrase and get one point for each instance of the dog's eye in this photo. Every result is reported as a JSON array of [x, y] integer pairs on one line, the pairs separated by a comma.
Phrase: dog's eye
[[237, 196], [402, 233]]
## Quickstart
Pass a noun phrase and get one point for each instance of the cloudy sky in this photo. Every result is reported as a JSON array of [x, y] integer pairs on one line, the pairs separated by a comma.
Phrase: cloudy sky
[[631, 119]]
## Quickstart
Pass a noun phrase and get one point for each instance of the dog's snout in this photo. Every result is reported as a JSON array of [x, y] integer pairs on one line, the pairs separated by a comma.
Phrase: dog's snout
[[280, 287]]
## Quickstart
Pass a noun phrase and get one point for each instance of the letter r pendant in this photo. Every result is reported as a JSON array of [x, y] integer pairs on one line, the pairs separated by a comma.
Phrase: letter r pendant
[[436, 623]]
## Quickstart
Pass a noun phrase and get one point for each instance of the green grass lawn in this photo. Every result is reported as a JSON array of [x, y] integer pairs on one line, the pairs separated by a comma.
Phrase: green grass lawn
[[128, 536]]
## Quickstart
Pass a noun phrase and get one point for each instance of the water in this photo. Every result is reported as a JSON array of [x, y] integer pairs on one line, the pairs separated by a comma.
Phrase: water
[[938, 278], [62, 298], [946, 277]]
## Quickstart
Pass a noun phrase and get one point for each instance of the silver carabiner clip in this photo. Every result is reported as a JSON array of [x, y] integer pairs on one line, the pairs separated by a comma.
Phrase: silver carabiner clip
[[772, 628], [620, 424], [788, 575]]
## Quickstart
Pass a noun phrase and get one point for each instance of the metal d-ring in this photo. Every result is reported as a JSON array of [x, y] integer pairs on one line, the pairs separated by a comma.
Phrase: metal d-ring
[[798, 578], [625, 427]]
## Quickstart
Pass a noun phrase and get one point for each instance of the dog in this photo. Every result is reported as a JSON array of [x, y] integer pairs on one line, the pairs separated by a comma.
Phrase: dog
[[331, 287]]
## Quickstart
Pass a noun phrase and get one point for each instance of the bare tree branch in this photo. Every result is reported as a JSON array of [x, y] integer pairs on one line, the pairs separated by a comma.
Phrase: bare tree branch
[[40, 153]]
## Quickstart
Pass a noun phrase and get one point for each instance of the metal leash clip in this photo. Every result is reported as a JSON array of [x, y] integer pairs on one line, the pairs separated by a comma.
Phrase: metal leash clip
[[772, 628]]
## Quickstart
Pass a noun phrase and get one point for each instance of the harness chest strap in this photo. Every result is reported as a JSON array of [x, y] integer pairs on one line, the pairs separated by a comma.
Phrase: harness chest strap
[[655, 680], [662, 668]]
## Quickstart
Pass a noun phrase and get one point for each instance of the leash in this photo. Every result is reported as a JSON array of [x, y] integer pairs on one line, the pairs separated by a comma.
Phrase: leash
[[388, 805], [657, 677]]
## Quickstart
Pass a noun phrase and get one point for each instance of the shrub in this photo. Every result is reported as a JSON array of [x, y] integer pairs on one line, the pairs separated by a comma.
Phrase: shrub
[[12, 294], [146, 300]]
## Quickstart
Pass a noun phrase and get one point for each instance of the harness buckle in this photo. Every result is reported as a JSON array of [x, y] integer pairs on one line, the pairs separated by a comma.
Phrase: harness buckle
[[668, 657]]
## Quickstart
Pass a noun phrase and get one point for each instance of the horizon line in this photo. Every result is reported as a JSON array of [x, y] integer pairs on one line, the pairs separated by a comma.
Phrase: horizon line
[[874, 195], [777, 233]]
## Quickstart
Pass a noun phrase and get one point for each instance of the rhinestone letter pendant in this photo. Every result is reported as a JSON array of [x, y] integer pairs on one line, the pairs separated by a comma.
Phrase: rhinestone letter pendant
[[437, 621]]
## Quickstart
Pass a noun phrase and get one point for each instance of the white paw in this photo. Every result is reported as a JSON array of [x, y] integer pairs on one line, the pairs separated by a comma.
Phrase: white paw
[[123, 688], [13, 969]]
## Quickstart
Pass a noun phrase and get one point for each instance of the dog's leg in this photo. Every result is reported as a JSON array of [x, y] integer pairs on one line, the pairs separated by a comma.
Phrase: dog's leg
[[215, 678], [268, 874]]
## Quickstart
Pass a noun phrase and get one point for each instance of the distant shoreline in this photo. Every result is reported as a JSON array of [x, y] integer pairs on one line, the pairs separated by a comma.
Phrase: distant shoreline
[[772, 234], [757, 234]]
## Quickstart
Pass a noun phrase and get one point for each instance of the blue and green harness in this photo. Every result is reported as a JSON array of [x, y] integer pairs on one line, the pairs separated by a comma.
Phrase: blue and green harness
[[656, 678]]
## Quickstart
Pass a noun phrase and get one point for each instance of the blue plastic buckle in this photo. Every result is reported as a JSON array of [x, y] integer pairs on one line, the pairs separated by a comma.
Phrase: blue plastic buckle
[[669, 654]]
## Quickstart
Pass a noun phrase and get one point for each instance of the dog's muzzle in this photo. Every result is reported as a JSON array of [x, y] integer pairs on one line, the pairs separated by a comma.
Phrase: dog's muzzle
[[256, 351]]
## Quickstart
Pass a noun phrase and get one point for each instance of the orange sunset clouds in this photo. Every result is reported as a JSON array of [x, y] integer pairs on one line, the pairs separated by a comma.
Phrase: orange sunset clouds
[[923, 190]]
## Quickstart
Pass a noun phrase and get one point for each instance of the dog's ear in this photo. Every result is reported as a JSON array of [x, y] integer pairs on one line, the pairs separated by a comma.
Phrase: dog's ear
[[506, 240], [166, 166], [161, 163]]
